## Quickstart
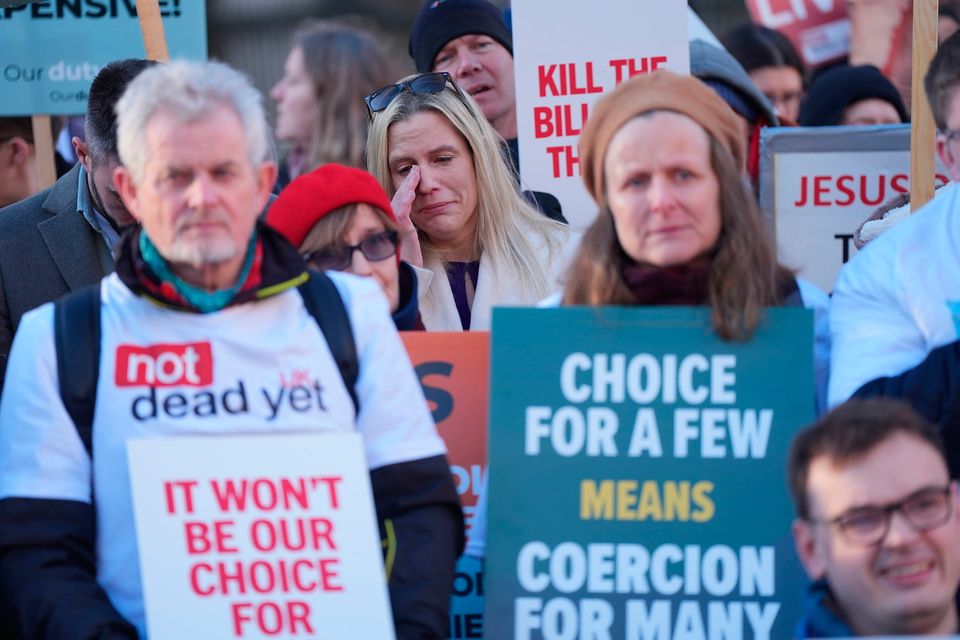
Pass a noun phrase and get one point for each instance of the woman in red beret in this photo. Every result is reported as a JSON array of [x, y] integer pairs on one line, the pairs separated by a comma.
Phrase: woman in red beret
[[340, 219]]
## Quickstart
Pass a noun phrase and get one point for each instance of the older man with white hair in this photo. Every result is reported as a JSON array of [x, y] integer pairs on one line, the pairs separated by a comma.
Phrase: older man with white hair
[[201, 273]]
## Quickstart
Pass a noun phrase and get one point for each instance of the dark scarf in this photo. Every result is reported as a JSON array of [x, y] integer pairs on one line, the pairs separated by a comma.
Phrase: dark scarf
[[276, 267], [685, 284], [407, 315], [689, 284]]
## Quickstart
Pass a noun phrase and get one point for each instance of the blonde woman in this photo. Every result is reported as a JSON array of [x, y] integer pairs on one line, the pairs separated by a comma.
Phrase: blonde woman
[[483, 244]]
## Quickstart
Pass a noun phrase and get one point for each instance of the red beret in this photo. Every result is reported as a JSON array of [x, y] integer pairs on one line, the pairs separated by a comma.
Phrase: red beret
[[313, 195]]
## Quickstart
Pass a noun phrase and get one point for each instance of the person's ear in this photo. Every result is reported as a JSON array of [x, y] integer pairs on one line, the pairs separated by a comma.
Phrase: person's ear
[[810, 552], [21, 151], [127, 190], [266, 178], [82, 151]]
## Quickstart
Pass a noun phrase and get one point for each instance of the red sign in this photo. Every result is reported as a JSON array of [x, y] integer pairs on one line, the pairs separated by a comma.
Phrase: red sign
[[819, 29], [164, 365], [454, 371]]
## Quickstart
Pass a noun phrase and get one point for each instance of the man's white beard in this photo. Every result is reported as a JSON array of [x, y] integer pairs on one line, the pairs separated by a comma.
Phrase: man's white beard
[[198, 254]]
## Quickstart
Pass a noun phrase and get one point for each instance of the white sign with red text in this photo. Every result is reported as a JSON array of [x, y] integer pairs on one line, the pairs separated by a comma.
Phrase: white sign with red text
[[820, 184], [258, 537], [818, 29], [565, 58]]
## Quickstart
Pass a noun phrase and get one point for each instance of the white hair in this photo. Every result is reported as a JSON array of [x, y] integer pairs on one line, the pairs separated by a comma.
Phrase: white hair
[[188, 90]]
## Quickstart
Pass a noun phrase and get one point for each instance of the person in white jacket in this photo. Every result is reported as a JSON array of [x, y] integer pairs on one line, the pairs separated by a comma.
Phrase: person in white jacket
[[476, 241], [895, 310]]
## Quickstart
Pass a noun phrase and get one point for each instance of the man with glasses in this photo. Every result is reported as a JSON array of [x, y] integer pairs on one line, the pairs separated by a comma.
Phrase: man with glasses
[[877, 527], [895, 312]]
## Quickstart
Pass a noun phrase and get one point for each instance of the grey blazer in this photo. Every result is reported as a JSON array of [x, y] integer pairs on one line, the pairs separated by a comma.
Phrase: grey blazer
[[47, 249]]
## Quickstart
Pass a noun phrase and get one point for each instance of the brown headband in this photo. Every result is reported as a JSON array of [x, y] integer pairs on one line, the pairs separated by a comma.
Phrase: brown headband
[[661, 90]]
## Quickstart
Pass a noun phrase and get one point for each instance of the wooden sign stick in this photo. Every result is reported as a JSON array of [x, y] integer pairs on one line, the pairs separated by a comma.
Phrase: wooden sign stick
[[923, 130], [151, 26], [43, 151]]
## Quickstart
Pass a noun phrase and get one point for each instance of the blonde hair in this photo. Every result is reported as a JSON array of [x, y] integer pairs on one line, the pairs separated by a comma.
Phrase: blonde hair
[[344, 64], [504, 217]]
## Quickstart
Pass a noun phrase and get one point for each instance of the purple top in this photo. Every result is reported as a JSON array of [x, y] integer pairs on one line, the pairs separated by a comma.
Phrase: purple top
[[457, 273]]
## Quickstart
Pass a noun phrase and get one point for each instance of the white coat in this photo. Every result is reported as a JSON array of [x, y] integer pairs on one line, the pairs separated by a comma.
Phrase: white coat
[[439, 310]]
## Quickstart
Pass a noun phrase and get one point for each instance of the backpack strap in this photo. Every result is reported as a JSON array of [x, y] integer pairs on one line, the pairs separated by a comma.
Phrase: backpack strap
[[76, 328], [323, 301]]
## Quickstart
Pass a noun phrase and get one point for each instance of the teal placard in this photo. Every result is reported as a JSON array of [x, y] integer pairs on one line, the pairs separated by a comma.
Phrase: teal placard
[[637, 474], [466, 604], [52, 49]]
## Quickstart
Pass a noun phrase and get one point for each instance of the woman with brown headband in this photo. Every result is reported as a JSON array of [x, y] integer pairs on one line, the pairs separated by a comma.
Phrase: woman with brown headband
[[664, 157], [678, 225]]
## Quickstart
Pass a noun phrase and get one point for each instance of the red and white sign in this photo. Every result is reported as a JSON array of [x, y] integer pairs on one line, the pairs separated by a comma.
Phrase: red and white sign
[[258, 537], [164, 365], [565, 58], [819, 29], [819, 184]]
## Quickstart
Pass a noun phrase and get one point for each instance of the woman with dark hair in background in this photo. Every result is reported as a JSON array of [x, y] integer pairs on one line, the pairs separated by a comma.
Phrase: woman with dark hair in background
[[320, 111], [772, 64]]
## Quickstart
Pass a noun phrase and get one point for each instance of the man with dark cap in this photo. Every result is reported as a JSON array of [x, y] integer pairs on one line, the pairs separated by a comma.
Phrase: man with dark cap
[[846, 95], [469, 40], [64, 237]]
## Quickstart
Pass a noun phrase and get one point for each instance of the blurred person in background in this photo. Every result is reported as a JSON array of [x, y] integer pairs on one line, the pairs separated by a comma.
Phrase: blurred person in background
[[66, 237], [483, 244], [846, 95], [773, 65], [320, 111], [948, 21], [721, 72], [18, 169], [340, 218]]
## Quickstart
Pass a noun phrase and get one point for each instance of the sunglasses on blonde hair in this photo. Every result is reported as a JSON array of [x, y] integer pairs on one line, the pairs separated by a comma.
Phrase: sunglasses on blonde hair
[[423, 85]]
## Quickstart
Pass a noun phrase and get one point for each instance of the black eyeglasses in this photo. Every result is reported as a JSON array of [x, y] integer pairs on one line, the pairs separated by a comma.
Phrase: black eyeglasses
[[423, 85], [379, 246], [925, 509], [950, 134]]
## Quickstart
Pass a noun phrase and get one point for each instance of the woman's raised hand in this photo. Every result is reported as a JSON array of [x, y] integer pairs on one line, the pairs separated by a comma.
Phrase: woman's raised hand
[[401, 203]]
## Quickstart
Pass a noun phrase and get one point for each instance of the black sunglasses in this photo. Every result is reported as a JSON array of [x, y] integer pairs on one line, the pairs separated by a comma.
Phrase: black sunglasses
[[379, 246], [423, 85]]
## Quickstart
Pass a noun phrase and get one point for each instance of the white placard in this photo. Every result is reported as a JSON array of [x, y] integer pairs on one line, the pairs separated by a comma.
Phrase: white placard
[[566, 56], [258, 537], [820, 184]]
